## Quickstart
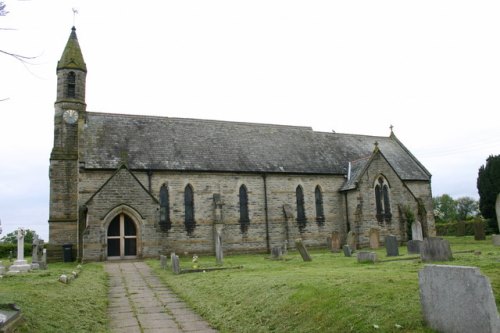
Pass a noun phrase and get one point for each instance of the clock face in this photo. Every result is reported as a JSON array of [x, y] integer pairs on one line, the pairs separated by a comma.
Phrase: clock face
[[70, 116]]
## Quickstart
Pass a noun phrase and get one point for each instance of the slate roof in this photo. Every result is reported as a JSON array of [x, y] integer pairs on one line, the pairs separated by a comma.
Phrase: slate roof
[[162, 143]]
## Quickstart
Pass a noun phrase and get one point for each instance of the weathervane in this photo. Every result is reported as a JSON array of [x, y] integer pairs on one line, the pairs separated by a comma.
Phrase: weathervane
[[75, 11]]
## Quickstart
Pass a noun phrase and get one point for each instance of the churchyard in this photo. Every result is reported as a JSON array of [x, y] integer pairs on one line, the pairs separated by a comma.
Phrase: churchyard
[[330, 293]]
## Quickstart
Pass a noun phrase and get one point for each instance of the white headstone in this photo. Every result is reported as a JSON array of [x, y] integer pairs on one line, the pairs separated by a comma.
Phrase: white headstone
[[416, 231], [20, 265]]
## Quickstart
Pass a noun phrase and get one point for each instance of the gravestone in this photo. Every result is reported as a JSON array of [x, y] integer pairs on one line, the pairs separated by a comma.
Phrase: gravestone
[[36, 252], [335, 242], [413, 246], [163, 261], [43, 261], [479, 233], [219, 255], [302, 249], [347, 250], [2, 268], [20, 265], [497, 209], [461, 229], [174, 261], [374, 238], [391, 246], [435, 249], [277, 253], [496, 240], [416, 231], [351, 240], [457, 299], [365, 256]]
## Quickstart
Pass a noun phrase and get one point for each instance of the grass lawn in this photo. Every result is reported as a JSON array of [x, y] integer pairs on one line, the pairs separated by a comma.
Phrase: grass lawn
[[330, 294], [51, 306]]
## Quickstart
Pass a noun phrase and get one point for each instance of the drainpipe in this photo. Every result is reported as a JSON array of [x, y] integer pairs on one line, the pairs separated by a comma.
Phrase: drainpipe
[[264, 177], [347, 213], [150, 175]]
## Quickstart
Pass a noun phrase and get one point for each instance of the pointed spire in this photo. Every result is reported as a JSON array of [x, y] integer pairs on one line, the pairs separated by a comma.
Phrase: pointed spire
[[72, 57]]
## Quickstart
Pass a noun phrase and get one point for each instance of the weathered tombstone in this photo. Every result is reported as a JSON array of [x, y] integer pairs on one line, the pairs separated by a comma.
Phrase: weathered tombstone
[[174, 259], [351, 240], [365, 256], [416, 231], [347, 250], [43, 261], [413, 246], [36, 252], [20, 265], [302, 249], [460, 229], [277, 253], [457, 299], [374, 238], [335, 242], [479, 233], [435, 249], [219, 255], [391, 246], [163, 261], [496, 240]]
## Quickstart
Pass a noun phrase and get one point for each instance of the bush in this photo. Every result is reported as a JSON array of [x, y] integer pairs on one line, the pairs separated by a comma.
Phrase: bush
[[450, 229], [6, 248]]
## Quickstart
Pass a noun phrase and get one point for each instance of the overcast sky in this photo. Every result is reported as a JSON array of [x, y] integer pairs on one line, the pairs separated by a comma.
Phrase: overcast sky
[[429, 68]]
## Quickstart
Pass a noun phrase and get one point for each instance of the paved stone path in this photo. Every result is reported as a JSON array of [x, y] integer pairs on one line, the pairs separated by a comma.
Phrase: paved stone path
[[140, 302]]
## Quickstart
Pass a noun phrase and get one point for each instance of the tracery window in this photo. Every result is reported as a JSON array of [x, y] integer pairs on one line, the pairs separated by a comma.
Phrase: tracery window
[[382, 200], [301, 212], [165, 223], [71, 85], [318, 197], [189, 221], [244, 219]]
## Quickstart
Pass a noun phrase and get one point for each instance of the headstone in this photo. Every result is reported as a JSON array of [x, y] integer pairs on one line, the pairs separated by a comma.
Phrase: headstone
[[391, 246], [335, 242], [347, 250], [43, 262], [461, 229], [416, 231], [351, 240], [435, 249], [174, 259], [2, 268], [277, 253], [163, 261], [20, 265], [496, 240], [374, 238], [497, 209], [413, 246], [364, 256], [479, 233], [37, 252], [219, 255], [302, 249], [457, 299]]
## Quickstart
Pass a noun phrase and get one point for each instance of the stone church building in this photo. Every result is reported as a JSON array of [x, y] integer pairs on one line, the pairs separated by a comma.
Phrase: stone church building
[[129, 186]]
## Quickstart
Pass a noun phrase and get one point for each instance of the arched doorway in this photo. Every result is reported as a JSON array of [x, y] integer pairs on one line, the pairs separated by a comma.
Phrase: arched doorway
[[122, 238]]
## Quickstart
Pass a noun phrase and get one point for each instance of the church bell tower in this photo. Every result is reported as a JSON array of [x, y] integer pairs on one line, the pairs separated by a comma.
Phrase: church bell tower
[[69, 116]]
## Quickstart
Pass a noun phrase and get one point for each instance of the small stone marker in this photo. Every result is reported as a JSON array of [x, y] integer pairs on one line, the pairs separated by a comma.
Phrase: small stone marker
[[175, 263], [496, 240], [347, 250], [435, 249], [413, 246], [277, 253], [416, 231], [479, 233], [43, 261], [365, 256], [391, 246], [457, 299], [461, 229], [335, 242], [351, 240], [374, 238], [302, 249], [163, 261]]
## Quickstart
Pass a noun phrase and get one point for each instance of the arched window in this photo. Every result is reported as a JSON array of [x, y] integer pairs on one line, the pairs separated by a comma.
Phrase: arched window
[[71, 85], [244, 220], [164, 208], [189, 221], [301, 212], [318, 198], [382, 201]]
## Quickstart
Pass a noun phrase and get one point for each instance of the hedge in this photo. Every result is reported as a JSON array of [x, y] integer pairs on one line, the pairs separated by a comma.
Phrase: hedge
[[450, 229], [6, 248]]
